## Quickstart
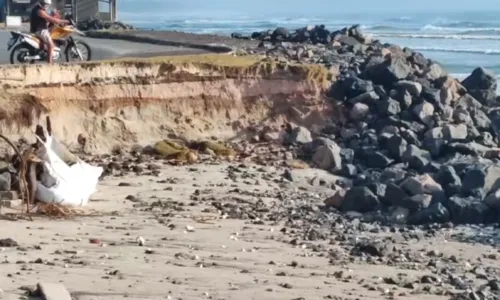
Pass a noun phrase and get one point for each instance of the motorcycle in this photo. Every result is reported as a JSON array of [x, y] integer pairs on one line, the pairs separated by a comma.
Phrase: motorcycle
[[26, 47]]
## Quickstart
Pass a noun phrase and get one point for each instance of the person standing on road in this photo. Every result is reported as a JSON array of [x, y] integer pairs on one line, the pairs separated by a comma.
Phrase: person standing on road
[[39, 25]]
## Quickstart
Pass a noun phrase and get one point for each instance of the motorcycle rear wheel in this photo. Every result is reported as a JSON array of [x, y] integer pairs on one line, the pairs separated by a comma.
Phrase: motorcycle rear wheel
[[22, 50]]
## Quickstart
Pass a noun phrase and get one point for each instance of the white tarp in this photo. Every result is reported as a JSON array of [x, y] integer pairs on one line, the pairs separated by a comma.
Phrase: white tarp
[[64, 184]]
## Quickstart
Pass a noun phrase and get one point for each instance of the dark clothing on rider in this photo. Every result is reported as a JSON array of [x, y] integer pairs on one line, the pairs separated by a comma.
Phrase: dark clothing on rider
[[37, 23]]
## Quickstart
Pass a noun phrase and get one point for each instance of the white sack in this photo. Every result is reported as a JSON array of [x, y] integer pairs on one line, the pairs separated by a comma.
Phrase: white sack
[[71, 186]]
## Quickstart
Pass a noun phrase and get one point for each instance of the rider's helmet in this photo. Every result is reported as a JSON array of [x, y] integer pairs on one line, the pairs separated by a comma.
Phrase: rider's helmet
[[45, 3]]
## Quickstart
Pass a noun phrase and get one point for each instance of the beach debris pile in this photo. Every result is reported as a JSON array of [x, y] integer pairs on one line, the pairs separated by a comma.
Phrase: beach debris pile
[[45, 176], [178, 151]]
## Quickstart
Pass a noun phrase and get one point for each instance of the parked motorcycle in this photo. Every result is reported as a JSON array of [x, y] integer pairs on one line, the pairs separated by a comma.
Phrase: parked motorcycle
[[26, 47]]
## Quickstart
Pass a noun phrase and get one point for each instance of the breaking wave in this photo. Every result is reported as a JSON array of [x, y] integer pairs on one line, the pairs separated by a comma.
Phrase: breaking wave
[[436, 36], [454, 50]]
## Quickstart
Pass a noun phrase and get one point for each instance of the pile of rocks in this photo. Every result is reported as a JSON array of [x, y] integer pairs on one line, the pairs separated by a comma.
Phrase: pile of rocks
[[314, 34], [95, 24], [345, 52], [418, 145]]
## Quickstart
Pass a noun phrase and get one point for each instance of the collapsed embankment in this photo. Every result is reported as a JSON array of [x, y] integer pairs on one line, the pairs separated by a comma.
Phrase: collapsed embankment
[[139, 102]]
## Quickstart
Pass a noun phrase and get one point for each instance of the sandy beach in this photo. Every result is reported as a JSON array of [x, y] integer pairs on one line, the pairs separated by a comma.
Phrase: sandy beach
[[159, 237]]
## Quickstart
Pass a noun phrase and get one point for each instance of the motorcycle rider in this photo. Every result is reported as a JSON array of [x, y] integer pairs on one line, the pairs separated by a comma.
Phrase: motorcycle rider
[[39, 25]]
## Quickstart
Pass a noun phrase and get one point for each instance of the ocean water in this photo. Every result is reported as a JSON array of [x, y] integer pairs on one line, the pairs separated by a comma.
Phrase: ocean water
[[459, 41]]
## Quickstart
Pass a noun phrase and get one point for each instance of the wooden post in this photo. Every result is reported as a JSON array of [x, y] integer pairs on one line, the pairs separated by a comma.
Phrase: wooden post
[[39, 132], [74, 10], [49, 125], [113, 10]]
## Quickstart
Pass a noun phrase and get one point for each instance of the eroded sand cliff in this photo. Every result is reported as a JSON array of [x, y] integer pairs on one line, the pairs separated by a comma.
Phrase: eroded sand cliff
[[128, 102]]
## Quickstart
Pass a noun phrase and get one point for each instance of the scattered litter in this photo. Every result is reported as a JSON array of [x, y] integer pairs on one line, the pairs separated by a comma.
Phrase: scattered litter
[[56, 210], [141, 241], [52, 291], [95, 241], [204, 219]]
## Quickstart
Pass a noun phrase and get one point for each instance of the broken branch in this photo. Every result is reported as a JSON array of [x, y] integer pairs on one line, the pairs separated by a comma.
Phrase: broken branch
[[23, 185]]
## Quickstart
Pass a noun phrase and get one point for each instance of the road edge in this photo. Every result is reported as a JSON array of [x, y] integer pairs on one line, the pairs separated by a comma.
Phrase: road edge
[[102, 34]]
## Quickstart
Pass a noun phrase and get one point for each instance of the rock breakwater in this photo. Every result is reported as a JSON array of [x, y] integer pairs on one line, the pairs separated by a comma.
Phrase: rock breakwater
[[318, 34], [418, 145]]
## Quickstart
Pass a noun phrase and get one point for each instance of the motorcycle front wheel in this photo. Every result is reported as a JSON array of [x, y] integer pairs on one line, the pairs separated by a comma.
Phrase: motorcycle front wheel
[[18, 53], [79, 51]]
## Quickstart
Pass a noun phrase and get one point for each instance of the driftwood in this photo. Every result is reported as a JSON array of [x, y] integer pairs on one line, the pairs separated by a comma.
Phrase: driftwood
[[26, 162], [30, 176], [21, 175], [29, 168]]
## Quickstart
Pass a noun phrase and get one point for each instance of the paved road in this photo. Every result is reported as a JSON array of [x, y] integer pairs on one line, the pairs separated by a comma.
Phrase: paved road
[[106, 49]]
